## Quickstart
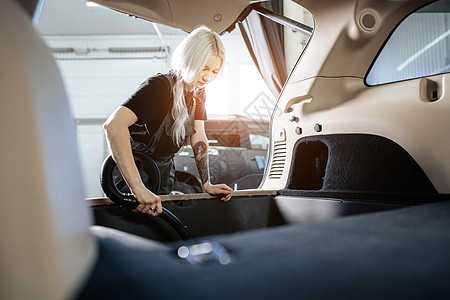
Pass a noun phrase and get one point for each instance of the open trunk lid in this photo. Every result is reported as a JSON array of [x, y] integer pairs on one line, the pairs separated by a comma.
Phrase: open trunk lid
[[219, 15]]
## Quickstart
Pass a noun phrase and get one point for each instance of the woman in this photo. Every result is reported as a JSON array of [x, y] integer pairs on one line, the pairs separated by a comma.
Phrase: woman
[[170, 107]]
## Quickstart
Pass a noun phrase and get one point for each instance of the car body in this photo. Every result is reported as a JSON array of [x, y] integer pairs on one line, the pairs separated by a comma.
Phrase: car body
[[354, 202], [237, 154]]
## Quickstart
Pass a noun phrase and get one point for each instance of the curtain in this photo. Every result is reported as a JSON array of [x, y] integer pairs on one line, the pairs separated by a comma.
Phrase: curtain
[[264, 40]]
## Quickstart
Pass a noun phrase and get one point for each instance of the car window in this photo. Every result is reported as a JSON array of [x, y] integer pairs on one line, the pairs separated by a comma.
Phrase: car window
[[258, 141], [225, 139], [418, 47]]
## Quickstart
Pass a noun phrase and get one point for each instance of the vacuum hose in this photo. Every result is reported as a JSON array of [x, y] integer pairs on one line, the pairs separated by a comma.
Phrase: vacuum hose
[[127, 200]]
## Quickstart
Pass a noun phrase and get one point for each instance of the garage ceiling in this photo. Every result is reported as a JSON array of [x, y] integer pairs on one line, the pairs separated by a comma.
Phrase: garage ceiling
[[73, 17]]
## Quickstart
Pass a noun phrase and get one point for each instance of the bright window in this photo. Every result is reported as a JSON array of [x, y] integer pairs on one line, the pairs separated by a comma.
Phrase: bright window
[[419, 47]]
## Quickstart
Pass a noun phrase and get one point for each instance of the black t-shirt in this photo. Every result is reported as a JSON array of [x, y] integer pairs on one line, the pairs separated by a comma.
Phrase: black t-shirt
[[152, 101]]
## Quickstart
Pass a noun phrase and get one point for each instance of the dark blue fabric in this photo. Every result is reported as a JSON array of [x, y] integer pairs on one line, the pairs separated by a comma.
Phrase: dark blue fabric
[[398, 254]]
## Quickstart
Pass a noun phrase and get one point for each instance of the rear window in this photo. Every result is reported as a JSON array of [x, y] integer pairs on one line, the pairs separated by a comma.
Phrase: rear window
[[419, 47]]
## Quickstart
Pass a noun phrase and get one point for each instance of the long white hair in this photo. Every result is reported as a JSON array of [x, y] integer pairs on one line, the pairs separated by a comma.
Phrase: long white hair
[[188, 60]]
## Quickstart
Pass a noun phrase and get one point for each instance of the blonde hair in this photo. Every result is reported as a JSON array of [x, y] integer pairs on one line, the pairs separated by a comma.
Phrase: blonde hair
[[189, 59]]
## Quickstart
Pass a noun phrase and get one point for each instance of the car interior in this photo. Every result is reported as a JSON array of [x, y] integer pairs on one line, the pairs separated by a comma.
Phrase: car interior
[[354, 202]]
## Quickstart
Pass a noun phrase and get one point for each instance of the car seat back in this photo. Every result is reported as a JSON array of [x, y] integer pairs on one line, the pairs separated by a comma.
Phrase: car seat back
[[46, 246]]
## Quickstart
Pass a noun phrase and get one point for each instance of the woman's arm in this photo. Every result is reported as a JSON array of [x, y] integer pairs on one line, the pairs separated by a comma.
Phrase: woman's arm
[[118, 137], [199, 145]]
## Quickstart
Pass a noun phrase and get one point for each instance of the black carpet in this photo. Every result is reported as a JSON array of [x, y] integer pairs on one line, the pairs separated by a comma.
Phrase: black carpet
[[398, 254]]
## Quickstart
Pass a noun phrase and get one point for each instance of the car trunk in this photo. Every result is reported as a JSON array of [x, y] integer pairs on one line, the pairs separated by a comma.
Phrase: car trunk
[[307, 178]]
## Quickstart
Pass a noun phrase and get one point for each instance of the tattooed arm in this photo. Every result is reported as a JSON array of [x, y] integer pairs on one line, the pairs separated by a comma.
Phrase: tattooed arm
[[199, 145], [201, 160]]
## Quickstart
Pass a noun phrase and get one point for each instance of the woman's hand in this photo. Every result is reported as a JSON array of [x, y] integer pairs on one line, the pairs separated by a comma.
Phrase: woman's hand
[[149, 202], [218, 190]]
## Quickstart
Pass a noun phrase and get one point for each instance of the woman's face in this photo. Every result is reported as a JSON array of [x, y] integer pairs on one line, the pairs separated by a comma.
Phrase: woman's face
[[209, 72]]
